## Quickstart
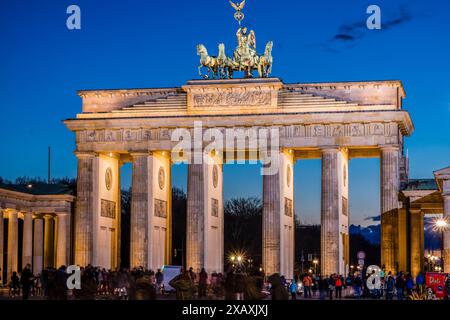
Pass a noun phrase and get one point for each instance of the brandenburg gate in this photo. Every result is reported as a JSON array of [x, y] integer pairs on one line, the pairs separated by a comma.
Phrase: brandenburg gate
[[333, 121]]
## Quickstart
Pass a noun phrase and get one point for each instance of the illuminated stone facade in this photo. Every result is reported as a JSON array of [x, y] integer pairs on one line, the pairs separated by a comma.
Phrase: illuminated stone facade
[[46, 227], [333, 121]]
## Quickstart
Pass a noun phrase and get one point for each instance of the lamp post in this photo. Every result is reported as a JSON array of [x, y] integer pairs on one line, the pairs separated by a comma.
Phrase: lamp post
[[315, 261]]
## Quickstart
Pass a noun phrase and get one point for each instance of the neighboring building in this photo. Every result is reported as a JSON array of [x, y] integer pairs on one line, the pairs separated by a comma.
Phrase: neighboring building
[[35, 227], [419, 197]]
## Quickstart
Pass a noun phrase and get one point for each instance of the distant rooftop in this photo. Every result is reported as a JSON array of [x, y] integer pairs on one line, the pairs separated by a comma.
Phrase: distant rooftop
[[421, 184], [39, 189]]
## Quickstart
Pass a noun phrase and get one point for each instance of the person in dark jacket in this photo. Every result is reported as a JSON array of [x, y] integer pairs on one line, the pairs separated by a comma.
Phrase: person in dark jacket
[[277, 290], [331, 286], [14, 285], [357, 286], [26, 280], [88, 285], [400, 285], [323, 287], [61, 283], [239, 286], [145, 289], [253, 287], [202, 283], [229, 286], [184, 286], [390, 285], [159, 279]]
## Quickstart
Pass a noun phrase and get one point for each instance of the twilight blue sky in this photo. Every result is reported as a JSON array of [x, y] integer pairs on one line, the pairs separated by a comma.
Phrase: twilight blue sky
[[136, 43]]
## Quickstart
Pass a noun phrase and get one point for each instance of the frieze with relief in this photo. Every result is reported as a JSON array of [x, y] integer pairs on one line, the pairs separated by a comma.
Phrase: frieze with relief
[[290, 131], [234, 98]]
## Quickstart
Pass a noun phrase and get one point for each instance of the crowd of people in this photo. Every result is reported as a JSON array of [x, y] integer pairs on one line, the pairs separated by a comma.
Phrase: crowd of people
[[235, 284], [388, 286]]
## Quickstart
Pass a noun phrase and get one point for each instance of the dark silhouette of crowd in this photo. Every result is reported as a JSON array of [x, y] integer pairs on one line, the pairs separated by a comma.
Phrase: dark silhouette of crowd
[[235, 284]]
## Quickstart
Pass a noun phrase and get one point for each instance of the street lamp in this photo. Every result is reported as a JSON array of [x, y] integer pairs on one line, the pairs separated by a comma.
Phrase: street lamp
[[315, 261]]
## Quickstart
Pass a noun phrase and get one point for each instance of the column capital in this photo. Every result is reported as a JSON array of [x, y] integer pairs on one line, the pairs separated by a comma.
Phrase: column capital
[[62, 214], [136, 154], [389, 147], [112, 154], [415, 210], [330, 149], [11, 210], [85, 155]]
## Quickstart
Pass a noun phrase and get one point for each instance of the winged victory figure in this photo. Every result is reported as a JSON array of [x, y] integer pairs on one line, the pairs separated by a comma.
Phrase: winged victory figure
[[238, 6]]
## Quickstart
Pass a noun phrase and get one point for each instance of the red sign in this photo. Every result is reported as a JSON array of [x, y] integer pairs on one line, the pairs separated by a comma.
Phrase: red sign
[[436, 282]]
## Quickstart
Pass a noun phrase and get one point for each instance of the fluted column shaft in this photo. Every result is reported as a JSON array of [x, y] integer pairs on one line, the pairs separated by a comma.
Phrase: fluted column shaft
[[61, 244], [416, 242], [271, 224], [389, 205], [446, 244], [13, 241], [139, 210], [27, 250], [38, 250], [84, 213], [329, 235], [1, 245], [49, 242], [278, 218], [195, 232]]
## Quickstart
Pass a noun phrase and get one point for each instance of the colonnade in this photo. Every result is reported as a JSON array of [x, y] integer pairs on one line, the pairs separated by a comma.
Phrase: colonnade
[[151, 211], [45, 240]]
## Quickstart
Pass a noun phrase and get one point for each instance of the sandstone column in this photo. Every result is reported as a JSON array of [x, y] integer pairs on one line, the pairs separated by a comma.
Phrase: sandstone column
[[278, 218], [61, 239], [446, 216], [140, 209], [195, 217], [27, 247], [334, 215], [38, 250], [1, 245], [151, 209], [49, 242], [159, 233], [416, 244], [204, 236], [443, 178], [12, 260], [446, 253], [389, 205], [84, 213]]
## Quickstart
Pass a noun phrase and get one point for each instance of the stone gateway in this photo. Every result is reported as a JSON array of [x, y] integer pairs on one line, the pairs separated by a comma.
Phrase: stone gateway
[[332, 121]]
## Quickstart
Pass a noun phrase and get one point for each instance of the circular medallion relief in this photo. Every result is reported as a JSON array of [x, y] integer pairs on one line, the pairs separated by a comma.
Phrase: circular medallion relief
[[215, 176], [288, 175], [108, 178], [161, 178]]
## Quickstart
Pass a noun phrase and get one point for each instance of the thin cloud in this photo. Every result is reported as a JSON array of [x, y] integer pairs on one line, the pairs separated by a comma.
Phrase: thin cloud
[[349, 33], [373, 218]]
